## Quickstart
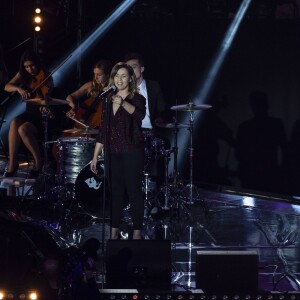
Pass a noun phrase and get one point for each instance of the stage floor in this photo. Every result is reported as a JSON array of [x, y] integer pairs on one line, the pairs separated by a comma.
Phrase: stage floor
[[193, 220]]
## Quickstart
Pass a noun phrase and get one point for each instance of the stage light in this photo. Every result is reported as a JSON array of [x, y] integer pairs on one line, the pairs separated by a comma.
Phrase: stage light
[[248, 201], [33, 296], [37, 28], [37, 19], [37, 10]]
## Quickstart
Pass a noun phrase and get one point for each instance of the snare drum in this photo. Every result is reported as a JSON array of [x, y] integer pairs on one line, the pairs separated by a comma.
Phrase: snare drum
[[73, 154]]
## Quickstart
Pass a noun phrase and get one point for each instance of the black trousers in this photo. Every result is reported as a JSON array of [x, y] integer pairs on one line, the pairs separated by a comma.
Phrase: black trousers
[[126, 177]]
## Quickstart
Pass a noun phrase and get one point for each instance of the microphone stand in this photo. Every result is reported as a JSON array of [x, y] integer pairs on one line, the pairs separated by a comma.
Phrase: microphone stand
[[106, 179]]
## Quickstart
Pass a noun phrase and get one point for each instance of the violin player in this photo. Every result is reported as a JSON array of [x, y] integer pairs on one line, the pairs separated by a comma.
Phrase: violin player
[[31, 81]]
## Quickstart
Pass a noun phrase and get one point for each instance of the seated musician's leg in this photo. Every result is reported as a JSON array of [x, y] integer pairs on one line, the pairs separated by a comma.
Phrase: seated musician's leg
[[13, 144], [28, 134]]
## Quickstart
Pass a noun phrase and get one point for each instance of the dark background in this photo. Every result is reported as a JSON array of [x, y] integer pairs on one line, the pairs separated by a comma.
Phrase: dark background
[[179, 40]]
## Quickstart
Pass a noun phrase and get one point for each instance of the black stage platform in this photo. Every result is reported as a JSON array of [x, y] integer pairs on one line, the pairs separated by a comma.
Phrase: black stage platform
[[233, 223]]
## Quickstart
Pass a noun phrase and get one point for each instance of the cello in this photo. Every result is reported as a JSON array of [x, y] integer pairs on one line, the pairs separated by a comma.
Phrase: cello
[[89, 112]]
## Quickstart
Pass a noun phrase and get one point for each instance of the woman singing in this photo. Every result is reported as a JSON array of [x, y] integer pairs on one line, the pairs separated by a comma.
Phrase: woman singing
[[125, 146], [26, 126]]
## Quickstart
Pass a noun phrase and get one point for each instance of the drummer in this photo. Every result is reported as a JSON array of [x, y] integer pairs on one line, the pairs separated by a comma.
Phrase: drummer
[[31, 81], [89, 111], [156, 108]]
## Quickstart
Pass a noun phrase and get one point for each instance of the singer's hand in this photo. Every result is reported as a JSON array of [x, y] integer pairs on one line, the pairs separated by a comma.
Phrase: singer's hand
[[93, 166], [117, 99]]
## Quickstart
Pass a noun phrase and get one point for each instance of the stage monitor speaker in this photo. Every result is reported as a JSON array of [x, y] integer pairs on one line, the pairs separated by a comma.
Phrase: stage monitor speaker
[[138, 264], [227, 271]]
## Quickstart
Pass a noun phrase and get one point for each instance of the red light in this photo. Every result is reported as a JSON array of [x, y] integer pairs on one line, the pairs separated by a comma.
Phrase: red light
[[180, 297], [135, 297]]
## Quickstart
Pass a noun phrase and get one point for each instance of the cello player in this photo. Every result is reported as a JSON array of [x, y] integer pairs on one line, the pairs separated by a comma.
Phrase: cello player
[[90, 110]]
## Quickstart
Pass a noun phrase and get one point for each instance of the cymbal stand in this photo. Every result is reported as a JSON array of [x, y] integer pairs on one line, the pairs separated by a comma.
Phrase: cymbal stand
[[166, 187], [175, 152], [191, 187], [170, 192], [45, 117]]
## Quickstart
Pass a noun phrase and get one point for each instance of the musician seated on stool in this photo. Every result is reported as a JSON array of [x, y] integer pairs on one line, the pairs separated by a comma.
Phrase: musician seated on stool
[[90, 111], [31, 81]]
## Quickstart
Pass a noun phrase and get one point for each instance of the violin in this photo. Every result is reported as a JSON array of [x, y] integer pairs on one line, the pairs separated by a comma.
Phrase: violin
[[38, 88], [38, 85]]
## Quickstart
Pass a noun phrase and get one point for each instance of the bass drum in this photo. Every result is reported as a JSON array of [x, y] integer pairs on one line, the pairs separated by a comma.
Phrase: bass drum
[[89, 189]]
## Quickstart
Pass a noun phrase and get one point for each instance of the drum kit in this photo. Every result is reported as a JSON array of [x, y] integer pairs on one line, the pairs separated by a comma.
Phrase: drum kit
[[75, 180]]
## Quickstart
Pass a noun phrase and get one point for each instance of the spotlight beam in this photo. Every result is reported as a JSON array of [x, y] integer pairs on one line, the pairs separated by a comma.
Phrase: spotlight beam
[[91, 40], [214, 69], [221, 53]]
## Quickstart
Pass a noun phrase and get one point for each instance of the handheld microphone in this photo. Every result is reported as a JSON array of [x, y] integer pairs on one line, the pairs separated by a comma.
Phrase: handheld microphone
[[112, 89]]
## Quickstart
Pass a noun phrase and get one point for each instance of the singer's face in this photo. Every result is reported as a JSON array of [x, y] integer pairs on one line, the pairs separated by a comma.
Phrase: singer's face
[[122, 79], [137, 68], [100, 77]]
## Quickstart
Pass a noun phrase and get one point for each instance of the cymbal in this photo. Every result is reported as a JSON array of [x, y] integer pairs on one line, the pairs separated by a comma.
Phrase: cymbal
[[88, 131], [47, 101], [191, 107], [81, 131], [72, 130], [173, 125]]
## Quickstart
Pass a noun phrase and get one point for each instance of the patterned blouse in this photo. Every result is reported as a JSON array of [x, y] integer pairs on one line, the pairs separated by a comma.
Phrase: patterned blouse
[[123, 130]]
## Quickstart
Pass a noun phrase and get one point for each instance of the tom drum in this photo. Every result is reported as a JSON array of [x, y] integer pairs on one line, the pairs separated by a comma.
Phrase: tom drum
[[73, 154]]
